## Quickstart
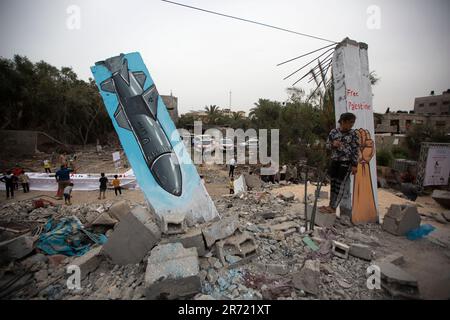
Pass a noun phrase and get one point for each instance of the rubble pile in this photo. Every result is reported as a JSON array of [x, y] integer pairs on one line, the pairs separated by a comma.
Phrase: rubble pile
[[261, 248]]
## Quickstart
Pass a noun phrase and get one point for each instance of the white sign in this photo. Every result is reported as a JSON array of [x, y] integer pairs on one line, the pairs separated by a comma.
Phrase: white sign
[[116, 156], [437, 169], [353, 93]]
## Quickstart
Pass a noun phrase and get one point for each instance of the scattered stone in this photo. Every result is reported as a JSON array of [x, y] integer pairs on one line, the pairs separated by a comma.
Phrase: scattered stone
[[172, 272], [89, 261], [219, 230], [201, 296], [268, 215], [400, 219], [174, 223], [39, 257], [287, 196], [119, 209], [41, 275], [16, 248], [344, 284], [361, 251], [232, 259], [212, 276], [279, 269], [397, 281], [133, 237], [308, 278], [56, 260], [340, 250]]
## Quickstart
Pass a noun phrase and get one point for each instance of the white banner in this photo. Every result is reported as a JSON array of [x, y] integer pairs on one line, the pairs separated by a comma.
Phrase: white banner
[[437, 168], [353, 93]]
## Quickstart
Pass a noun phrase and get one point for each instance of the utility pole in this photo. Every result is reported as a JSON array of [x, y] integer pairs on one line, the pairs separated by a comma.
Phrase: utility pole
[[230, 100]]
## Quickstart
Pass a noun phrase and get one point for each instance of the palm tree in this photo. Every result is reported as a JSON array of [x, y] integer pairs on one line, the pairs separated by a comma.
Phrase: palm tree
[[213, 113]]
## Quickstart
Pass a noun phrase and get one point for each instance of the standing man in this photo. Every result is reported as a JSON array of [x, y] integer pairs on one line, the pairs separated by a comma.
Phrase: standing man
[[344, 145], [103, 186], [24, 180], [232, 164], [8, 179], [62, 176]]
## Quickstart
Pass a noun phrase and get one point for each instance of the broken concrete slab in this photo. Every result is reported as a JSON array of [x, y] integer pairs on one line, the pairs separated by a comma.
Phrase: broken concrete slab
[[397, 281], [172, 272], [284, 226], [325, 220], [310, 243], [308, 278], [89, 261], [395, 258], [442, 197], [361, 251], [242, 245], [253, 181], [119, 209], [400, 219], [268, 215], [174, 223], [340, 249], [15, 248], [193, 238], [219, 230], [105, 220], [133, 237], [446, 215]]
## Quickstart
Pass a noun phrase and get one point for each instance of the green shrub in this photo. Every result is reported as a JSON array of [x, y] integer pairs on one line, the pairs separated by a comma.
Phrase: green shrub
[[384, 158], [399, 153]]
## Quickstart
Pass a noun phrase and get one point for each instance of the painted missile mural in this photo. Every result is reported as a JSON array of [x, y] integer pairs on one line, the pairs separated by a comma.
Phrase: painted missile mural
[[163, 167]]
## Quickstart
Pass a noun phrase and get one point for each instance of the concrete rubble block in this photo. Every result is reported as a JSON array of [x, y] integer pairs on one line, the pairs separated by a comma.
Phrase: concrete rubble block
[[172, 272], [119, 209], [105, 220], [253, 181], [340, 249], [241, 245], [446, 215], [193, 238], [442, 197], [133, 237], [174, 223], [219, 230], [89, 261], [15, 248], [268, 215], [308, 278], [325, 220], [278, 269], [397, 281], [400, 219], [395, 258], [361, 251], [287, 196]]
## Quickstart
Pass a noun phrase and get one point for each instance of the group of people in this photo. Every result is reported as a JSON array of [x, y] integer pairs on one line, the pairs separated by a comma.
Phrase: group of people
[[12, 179], [65, 185]]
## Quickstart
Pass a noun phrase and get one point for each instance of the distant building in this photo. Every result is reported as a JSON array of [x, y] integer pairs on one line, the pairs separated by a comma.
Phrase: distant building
[[433, 104], [171, 103], [433, 110]]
